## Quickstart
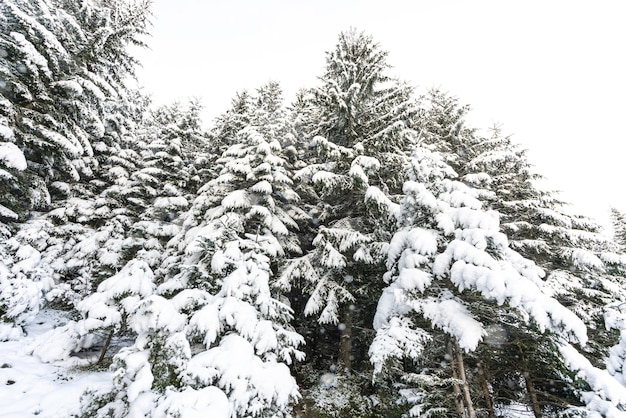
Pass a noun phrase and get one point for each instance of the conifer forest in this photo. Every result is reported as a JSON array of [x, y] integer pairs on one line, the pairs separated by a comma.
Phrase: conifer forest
[[358, 250]]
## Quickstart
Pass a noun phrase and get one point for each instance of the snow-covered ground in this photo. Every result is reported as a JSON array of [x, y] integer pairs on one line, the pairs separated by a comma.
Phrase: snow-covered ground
[[32, 388]]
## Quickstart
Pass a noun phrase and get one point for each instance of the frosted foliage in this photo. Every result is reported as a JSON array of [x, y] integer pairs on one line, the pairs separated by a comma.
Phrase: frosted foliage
[[136, 374], [6, 134], [454, 318], [615, 318], [177, 202], [32, 58], [141, 376], [135, 278], [250, 382], [367, 164], [245, 304], [325, 271], [394, 301], [460, 196], [362, 167], [444, 234], [236, 199], [343, 239], [11, 156], [613, 258], [262, 187], [330, 304], [357, 173], [380, 199], [414, 278], [217, 278], [586, 259], [332, 151], [71, 87], [123, 298], [409, 243], [24, 280], [470, 268], [297, 268], [6, 212], [207, 322], [418, 194], [325, 297], [607, 396], [156, 313], [58, 343], [617, 359], [333, 258], [397, 339], [222, 313], [193, 403], [428, 167], [117, 296], [247, 198], [331, 182], [23, 298]]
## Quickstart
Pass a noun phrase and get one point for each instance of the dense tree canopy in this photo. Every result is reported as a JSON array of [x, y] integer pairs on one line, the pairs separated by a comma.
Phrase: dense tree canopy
[[362, 251]]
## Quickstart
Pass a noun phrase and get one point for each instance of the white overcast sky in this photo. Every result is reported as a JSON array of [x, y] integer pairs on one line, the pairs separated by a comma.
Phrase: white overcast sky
[[551, 72]]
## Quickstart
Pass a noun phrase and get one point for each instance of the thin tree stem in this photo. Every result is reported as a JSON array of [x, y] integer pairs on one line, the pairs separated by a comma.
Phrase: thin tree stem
[[466, 392], [107, 343], [458, 396]]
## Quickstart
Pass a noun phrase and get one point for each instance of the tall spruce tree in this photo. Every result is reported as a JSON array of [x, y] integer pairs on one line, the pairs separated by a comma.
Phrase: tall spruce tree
[[581, 265], [61, 63], [618, 219], [63, 94], [357, 126], [450, 267], [585, 269], [228, 338], [170, 174]]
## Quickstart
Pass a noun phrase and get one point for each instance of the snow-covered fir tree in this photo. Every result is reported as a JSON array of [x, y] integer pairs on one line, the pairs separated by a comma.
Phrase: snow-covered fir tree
[[450, 269], [618, 219], [354, 131], [58, 73], [582, 267], [406, 247], [174, 142], [62, 97], [237, 117], [216, 327]]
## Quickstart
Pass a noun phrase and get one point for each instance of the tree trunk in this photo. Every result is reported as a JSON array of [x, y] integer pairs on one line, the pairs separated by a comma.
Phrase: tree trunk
[[530, 386], [532, 393], [105, 348], [486, 393], [458, 395], [471, 413], [345, 342]]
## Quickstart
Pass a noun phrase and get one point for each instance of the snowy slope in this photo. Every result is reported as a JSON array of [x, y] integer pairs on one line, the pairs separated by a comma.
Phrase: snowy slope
[[31, 388]]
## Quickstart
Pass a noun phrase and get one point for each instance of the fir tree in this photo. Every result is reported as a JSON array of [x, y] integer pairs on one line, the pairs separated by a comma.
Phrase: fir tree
[[582, 267], [618, 219], [62, 95], [228, 335], [174, 142], [450, 268], [357, 126], [58, 73], [236, 118]]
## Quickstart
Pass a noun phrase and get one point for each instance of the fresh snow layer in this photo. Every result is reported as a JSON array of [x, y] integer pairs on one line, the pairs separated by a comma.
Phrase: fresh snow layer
[[31, 388], [11, 156]]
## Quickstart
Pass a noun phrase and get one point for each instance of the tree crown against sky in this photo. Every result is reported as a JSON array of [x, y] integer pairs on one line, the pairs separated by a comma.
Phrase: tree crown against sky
[[537, 107]]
